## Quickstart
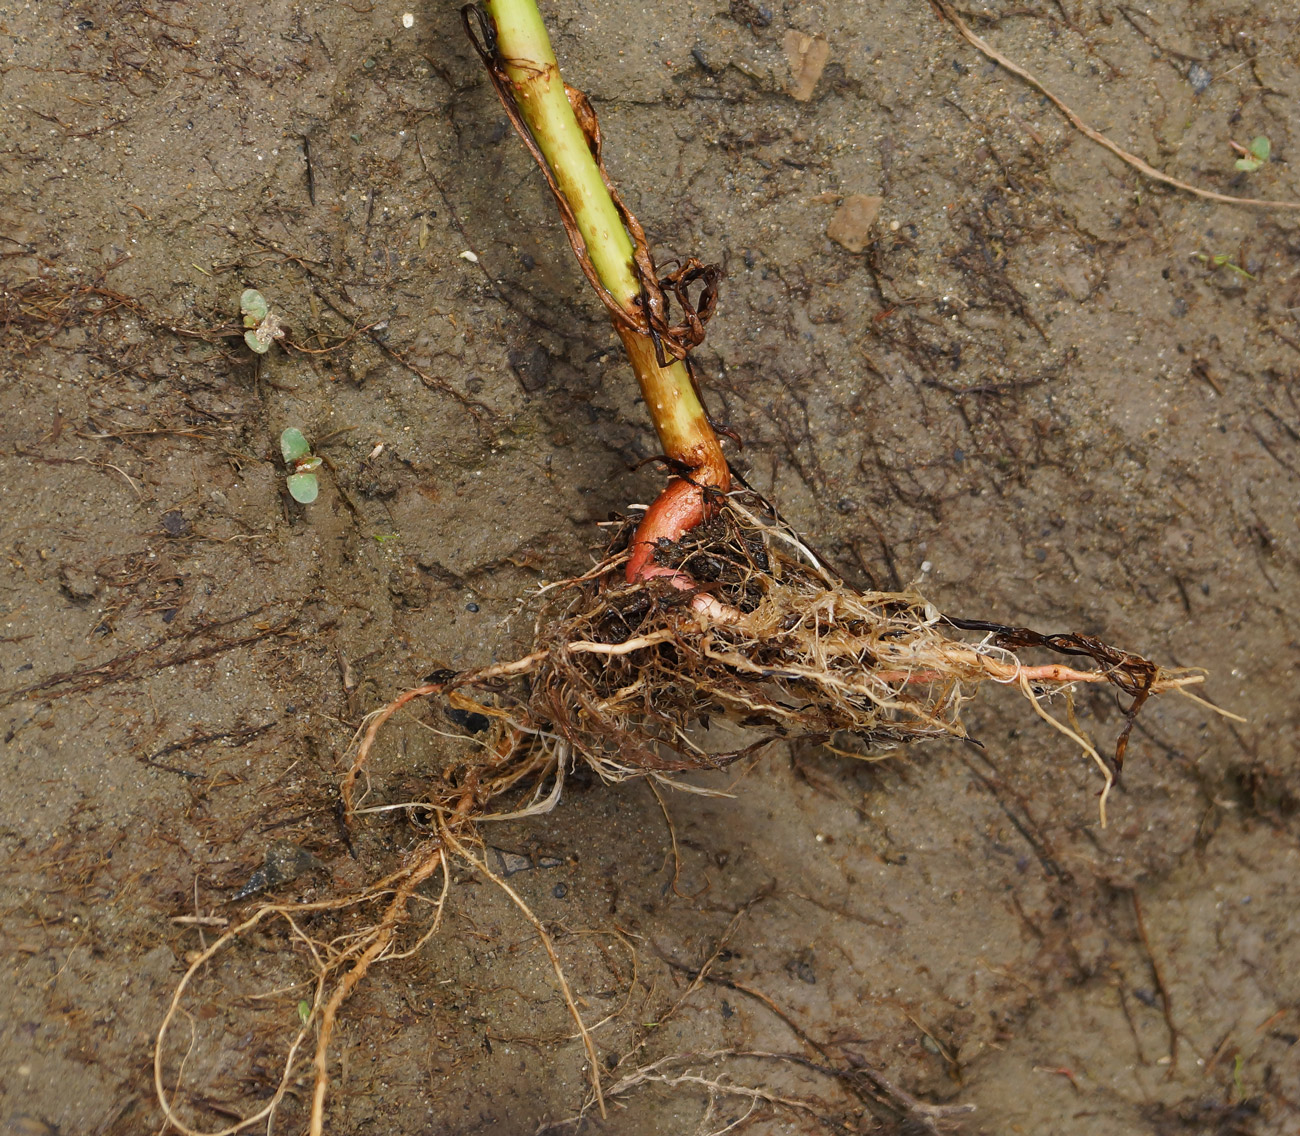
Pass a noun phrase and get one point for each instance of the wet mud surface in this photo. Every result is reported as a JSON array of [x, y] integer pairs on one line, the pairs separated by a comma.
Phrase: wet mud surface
[[1052, 393]]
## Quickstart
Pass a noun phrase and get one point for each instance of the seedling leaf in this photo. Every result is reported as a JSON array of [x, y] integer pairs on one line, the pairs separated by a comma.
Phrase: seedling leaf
[[303, 488], [1257, 155], [255, 344], [294, 445], [254, 307]]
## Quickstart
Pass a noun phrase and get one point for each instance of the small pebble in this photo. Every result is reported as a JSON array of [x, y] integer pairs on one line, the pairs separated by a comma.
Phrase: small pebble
[[284, 862], [78, 582], [802, 970], [28, 1125], [853, 220], [174, 523], [408, 19], [1199, 77]]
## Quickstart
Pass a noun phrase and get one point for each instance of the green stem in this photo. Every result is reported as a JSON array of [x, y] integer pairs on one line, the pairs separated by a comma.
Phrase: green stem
[[530, 62], [679, 417]]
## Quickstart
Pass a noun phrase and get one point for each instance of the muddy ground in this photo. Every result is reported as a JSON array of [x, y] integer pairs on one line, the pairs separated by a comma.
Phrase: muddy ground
[[1051, 392]]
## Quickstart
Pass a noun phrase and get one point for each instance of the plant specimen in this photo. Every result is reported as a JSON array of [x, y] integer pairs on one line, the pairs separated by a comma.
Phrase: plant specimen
[[263, 324], [707, 607], [1254, 155], [296, 450]]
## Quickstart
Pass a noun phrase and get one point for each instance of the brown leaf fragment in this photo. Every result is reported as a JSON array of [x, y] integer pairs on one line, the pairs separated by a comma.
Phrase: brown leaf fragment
[[807, 56], [851, 225]]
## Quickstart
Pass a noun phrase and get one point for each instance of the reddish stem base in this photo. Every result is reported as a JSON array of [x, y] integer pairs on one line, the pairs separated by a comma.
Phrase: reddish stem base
[[677, 510]]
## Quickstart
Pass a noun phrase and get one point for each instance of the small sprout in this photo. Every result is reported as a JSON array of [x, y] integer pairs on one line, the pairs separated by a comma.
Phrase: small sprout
[[304, 1011], [302, 483], [264, 326], [1224, 260], [1254, 155]]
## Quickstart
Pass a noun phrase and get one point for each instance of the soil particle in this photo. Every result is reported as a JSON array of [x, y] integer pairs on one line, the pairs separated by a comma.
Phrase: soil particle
[[851, 226], [78, 583]]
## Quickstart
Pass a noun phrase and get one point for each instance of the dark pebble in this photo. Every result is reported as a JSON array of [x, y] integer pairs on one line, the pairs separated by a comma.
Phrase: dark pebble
[[532, 367], [174, 523], [467, 719], [803, 971]]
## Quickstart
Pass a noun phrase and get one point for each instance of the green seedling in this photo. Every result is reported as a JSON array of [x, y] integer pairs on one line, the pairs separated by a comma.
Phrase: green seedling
[[264, 326], [1254, 155], [304, 1011], [1223, 260], [302, 483]]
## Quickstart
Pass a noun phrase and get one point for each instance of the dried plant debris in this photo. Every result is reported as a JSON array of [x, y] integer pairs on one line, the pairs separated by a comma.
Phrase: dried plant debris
[[807, 56]]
